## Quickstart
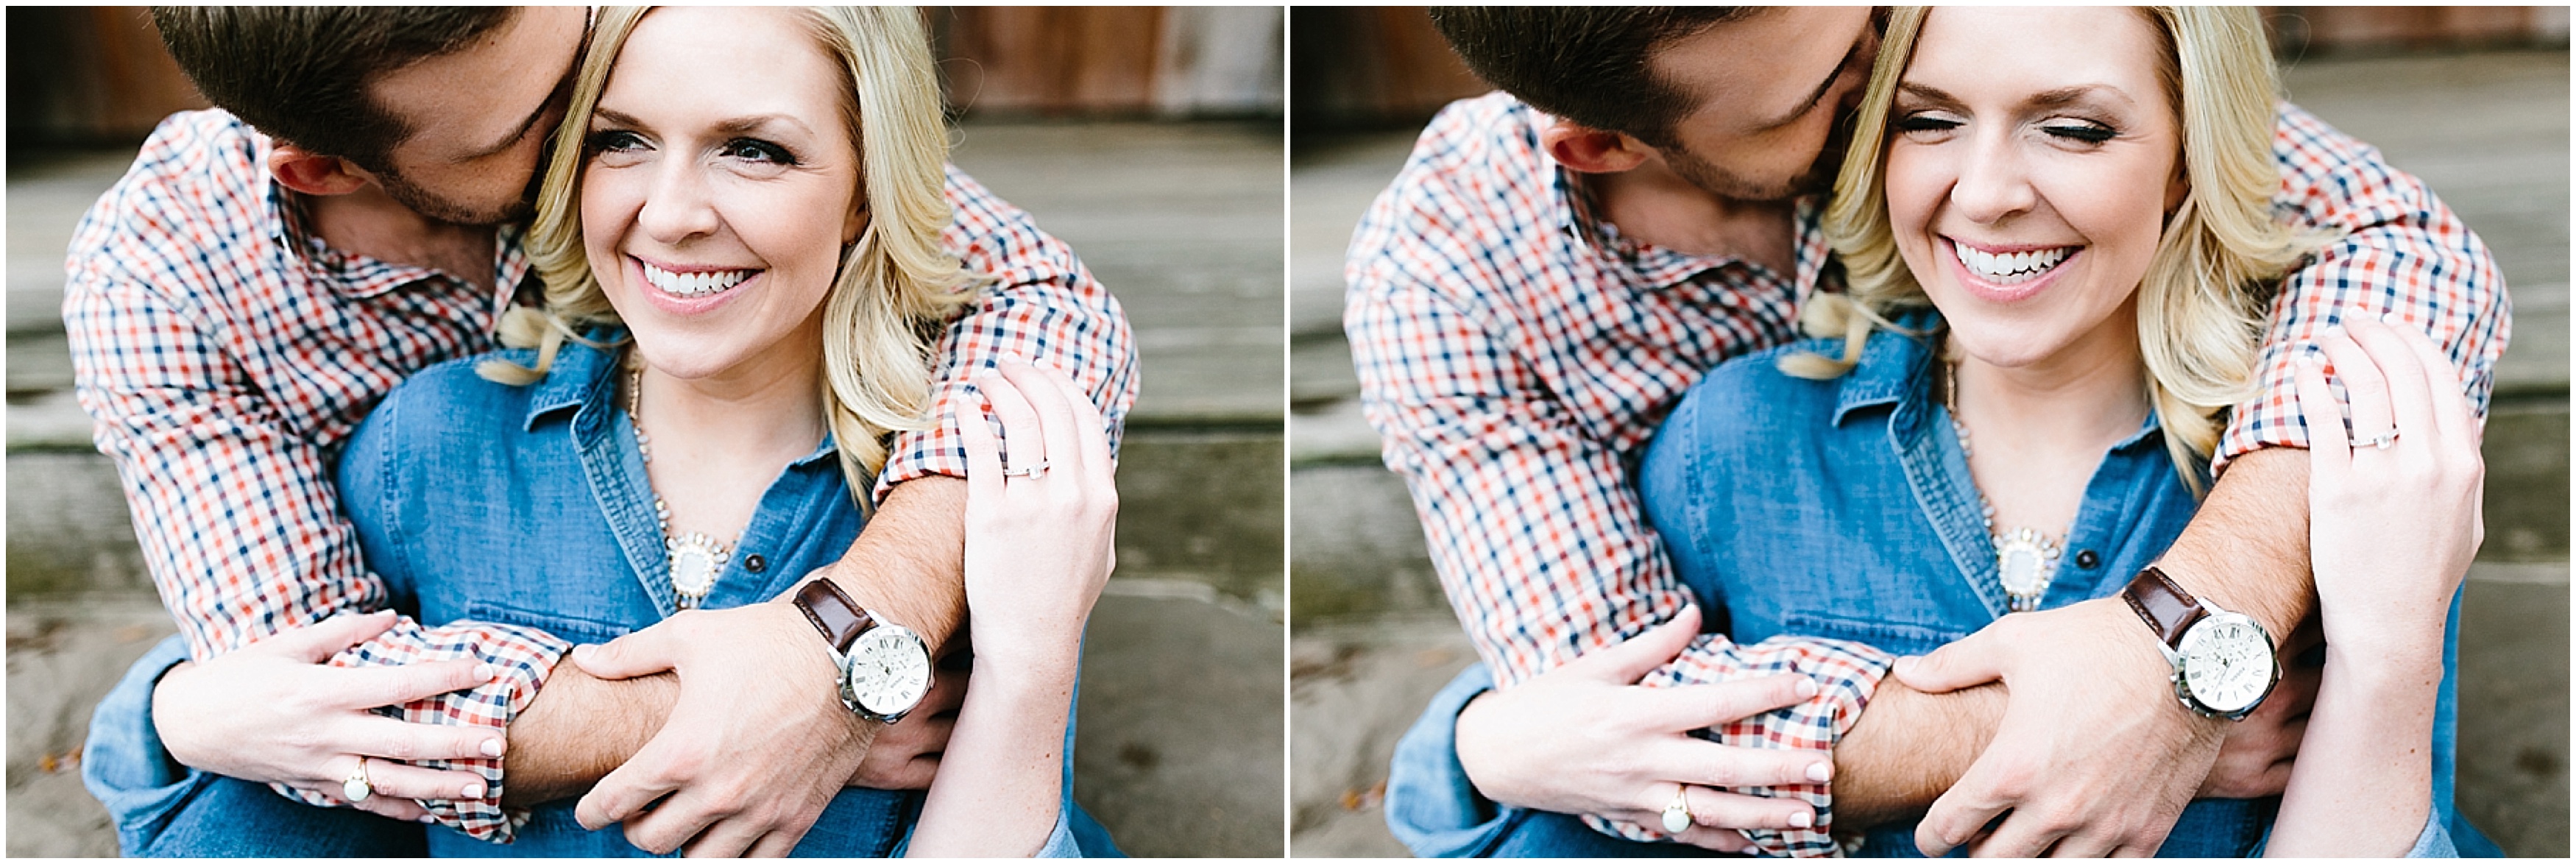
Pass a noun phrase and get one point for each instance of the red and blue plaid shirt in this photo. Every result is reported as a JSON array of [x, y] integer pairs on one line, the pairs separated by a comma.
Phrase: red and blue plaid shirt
[[1516, 353], [226, 353]]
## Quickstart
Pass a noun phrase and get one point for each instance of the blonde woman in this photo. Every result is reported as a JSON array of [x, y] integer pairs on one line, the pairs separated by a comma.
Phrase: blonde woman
[[740, 237], [2059, 241]]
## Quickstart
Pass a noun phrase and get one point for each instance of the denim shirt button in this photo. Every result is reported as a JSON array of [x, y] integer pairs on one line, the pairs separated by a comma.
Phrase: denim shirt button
[[755, 563], [2085, 559]]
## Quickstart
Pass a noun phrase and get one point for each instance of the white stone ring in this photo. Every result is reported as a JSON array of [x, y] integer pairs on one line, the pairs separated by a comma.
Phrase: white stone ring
[[356, 788], [1032, 472], [2383, 442], [1677, 815]]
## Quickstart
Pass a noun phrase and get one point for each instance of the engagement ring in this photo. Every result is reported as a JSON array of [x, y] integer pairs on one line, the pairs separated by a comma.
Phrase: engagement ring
[[1677, 815], [2382, 442], [1033, 471], [356, 788]]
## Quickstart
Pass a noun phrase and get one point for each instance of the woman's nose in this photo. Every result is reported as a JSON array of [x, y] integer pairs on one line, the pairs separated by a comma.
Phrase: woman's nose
[[678, 206], [1993, 183]]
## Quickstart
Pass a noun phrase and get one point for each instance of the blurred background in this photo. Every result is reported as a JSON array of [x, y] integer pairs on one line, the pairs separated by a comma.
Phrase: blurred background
[[2472, 99], [1147, 138]]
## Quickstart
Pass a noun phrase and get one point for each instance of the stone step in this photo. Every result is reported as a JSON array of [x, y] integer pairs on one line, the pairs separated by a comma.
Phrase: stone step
[[1176, 678], [1353, 690]]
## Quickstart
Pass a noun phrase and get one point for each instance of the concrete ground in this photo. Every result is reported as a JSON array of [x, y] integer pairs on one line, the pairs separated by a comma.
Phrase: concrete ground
[[1374, 637], [1181, 718]]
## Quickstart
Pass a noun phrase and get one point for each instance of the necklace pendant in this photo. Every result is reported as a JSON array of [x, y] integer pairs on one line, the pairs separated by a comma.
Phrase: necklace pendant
[[696, 561], [2025, 561]]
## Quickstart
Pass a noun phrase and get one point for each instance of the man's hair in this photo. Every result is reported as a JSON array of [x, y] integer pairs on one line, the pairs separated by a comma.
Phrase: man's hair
[[1587, 64], [302, 73]]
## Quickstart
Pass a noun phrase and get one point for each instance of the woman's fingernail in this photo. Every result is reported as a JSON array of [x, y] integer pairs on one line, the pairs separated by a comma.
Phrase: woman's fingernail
[[2334, 330], [1904, 665], [1806, 687], [491, 746], [1801, 819], [580, 653], [485, 672], [2392, 318], [472, 790], [1820, 772]]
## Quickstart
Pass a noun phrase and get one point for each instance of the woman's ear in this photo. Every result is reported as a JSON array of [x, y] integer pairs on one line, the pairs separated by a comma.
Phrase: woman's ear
[[857, 221], [315, 174], [2177, 189], [1591, 151]]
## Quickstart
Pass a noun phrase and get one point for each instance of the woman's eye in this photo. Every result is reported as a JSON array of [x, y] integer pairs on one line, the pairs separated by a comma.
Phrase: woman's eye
[[758, 151], [608, 140], [1925, 123], [2089, 133]]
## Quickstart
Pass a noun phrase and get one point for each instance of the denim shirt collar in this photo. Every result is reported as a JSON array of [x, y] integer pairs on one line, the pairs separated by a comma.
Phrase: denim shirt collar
[[1893, 369], [584, 379]]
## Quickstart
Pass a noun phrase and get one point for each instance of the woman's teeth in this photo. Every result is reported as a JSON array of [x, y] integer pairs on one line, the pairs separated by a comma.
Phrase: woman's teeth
[[694, 284], [2011, 267]]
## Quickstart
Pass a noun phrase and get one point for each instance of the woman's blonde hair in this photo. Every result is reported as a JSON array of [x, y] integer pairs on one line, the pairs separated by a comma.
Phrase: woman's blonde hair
[[896, 285], [2201, 306]]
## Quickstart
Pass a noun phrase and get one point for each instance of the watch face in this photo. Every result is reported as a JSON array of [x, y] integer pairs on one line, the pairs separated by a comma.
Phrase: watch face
[[2227, 663], [889, 670]]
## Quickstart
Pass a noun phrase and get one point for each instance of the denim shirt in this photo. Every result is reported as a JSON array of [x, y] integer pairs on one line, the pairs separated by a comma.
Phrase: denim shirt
[[530, 506], [1844, 509]]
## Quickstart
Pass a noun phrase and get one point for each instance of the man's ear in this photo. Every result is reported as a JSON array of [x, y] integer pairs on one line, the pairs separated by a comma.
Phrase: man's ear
[[1591, 151], [315, 174]]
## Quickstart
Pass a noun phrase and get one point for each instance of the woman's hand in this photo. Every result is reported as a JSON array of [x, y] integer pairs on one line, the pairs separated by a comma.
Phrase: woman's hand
[[2391, 528], [271, 713], [1585, 739], [1039, 523]]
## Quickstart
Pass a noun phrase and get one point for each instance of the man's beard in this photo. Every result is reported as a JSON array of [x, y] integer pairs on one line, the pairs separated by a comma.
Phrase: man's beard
[[1817, 178], [420, 201]]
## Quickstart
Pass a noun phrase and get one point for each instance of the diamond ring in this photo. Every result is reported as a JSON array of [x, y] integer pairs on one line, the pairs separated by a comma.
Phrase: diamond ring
[[2383, 442], [1033, 471]]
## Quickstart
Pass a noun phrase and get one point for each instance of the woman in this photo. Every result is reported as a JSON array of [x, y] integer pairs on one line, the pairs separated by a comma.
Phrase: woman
[[2061, 217], [740, 236]]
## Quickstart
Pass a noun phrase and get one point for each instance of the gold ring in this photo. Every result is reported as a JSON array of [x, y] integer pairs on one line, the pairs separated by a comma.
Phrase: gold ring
[[1677, 815], [356, 788]]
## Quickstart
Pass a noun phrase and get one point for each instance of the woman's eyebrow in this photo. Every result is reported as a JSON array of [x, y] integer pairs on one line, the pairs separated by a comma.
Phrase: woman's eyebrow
[[757, 122], [2064, 96]]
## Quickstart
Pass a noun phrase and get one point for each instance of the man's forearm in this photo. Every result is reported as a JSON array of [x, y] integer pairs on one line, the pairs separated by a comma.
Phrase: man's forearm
[[909, 565], [579, 728], [1907, 748], [2247, 548]]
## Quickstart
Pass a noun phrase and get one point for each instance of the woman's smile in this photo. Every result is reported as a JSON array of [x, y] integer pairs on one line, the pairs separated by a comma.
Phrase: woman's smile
[[687, 290], [2006, 273]]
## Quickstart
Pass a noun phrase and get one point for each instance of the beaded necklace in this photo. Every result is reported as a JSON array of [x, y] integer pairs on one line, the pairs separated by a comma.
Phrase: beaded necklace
[[697, 559], [2025, 558]]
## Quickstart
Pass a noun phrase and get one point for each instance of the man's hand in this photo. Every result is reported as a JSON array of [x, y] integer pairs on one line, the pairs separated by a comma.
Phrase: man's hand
[[2094, 756], [271, 713], [906, 755], [1585, 739], [754, 749], [2261, 749]]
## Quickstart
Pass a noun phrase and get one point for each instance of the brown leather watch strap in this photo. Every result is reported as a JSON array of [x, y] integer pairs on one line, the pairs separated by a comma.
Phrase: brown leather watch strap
[[832, 612], [2165, 606]]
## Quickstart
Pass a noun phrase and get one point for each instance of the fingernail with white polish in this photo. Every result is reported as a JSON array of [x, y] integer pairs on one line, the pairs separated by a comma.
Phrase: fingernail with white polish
[[472, 790], [1904, 665], [1820, 772], [2392, 318], [1801, 819], [491, 746]]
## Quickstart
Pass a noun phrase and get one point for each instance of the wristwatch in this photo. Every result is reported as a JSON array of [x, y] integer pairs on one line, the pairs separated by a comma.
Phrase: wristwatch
[[884, 668], [2223, 662]]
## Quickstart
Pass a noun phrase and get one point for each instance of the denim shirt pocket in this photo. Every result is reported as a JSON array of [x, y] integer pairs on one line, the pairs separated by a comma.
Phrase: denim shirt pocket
[[579, 631], [1898, 639]]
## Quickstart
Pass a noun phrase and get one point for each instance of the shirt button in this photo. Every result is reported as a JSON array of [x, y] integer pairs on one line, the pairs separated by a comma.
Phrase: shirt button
[[2087, 560], [755, 563]]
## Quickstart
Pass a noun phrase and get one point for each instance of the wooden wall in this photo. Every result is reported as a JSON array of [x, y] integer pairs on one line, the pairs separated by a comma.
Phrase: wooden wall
[[1369, 67], [97, 75]]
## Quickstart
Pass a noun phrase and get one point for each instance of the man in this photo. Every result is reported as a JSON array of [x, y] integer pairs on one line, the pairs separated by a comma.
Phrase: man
[[1553, 269], [240, 300]]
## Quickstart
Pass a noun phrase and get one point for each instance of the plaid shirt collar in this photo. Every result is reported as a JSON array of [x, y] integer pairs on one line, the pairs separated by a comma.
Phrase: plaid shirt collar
[[290, 222], [1655, 268]]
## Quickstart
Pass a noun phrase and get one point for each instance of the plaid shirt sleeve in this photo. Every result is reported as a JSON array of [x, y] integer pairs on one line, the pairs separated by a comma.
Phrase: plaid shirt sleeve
[[1538, 537], [236, 513], [1040, 305], [2398, 250]]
